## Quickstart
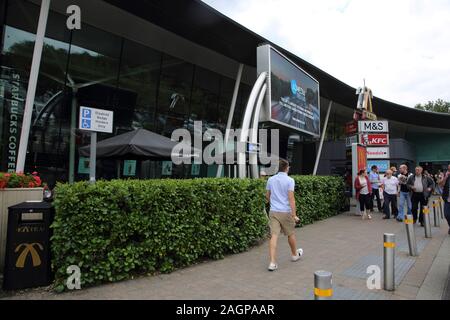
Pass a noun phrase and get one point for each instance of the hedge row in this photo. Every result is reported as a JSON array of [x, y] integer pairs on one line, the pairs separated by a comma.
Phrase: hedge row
[[318, 197], [115, 229]]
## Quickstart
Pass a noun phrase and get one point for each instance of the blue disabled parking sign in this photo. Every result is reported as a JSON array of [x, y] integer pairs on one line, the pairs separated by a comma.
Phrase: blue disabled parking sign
[[98, 120], [86, 118], [86, 124]]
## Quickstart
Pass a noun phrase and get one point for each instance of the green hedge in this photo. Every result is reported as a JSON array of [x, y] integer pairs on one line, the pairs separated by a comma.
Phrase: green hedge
[[116, 229], [318, 197]]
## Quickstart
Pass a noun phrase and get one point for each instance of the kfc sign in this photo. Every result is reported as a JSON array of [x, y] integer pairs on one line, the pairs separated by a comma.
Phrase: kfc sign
[[372, 139]]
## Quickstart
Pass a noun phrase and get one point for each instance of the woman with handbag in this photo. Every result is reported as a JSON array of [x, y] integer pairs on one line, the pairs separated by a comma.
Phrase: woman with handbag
[[363, 193]]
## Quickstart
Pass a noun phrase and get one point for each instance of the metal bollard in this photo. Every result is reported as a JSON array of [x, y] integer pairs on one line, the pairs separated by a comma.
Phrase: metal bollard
[[426, 221], [389, 261], [323, 285], [437, 220], [441, 209], [409, 222]]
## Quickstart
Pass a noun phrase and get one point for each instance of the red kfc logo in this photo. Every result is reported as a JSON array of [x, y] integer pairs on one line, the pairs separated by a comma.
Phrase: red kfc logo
[[376, 139]]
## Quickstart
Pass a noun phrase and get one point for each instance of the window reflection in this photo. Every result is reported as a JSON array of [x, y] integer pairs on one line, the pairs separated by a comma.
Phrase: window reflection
[[174, 94], [145, 89], [139, 72]]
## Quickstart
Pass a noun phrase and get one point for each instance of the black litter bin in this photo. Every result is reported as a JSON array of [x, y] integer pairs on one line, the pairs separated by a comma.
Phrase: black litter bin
[[27, 260]]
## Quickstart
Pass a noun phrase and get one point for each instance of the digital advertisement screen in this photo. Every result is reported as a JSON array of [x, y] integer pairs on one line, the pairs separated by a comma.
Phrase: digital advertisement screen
[[294, 95]]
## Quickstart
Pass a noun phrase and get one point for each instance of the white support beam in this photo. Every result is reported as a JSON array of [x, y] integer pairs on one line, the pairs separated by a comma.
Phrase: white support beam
[[32, 83], [231, 114], [324, 132]]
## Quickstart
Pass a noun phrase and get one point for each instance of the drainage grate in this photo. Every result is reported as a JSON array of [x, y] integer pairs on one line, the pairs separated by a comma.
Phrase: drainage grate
[[358, 270]]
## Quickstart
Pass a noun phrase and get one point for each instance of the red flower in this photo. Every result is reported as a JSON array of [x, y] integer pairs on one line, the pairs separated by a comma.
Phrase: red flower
[[34, 173], [31, 185], [38, 181], [3, 184], [7, 175]]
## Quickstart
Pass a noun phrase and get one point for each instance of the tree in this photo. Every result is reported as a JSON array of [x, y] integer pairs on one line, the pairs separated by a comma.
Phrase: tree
[[435, 106]]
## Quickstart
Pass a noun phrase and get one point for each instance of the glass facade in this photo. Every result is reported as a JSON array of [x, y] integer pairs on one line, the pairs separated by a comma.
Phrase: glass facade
[[144, 87]]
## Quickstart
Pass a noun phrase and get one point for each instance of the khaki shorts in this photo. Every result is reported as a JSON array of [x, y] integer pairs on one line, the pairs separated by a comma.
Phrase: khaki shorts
[[281, 221]]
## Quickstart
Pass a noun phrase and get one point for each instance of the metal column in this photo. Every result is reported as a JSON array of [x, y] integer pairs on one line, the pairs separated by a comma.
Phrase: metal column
[[32, 83], [93, 157], [231, 115], [389, 261], [426, 221], [409, 222], [316, 165], [73, 128], [436, 216], [323, 285]]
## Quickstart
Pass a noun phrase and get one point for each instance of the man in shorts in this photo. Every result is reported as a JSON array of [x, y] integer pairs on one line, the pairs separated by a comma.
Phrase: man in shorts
[[282, 216]]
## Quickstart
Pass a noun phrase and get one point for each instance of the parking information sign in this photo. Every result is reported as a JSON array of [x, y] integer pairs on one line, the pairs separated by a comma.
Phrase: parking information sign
[[97, 120]]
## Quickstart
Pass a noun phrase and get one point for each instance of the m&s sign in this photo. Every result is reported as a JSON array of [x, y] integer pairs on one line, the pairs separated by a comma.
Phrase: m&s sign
[[373, 126]]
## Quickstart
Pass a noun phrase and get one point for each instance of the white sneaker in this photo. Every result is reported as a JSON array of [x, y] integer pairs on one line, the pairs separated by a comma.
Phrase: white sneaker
[[273, 266], [298, 256]]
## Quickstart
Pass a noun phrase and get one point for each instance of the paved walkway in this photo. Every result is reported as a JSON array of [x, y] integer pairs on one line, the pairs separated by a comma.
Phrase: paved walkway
[[344, 245]]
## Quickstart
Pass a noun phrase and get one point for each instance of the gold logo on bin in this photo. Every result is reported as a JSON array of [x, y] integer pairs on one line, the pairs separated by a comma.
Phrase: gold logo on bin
[[28, 248]]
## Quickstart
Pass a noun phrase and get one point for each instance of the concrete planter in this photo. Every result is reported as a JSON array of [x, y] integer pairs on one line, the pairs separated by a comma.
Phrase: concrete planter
[[10, 197]]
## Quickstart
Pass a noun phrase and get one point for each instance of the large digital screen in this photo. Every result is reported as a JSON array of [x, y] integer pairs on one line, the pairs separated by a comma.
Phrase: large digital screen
[[293, 95]]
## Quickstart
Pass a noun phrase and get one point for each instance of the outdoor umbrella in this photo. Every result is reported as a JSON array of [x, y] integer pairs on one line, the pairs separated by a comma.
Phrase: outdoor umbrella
[[139, 144]]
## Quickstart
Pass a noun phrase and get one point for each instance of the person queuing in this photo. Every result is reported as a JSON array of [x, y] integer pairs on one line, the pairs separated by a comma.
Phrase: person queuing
[[389, 184], [394, 207], [395, 173], [364, 191], [439, 177], [421, 187], [374, 179], [444, 183], [405, 196], [430, 178]]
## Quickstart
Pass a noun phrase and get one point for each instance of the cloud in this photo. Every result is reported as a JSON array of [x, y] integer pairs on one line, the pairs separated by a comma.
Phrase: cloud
[[401, 48]]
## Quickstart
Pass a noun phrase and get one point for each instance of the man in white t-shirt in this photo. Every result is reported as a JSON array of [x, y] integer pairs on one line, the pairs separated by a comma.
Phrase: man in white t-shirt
[[283, 213], [390, 192]]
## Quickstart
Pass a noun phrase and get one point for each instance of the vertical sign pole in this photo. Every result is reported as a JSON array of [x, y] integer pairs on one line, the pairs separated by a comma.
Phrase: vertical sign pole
[[73, 128], [93, 156], [354, 167]]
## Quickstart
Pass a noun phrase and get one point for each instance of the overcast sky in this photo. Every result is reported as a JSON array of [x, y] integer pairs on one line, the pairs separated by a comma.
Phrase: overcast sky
[[401, 47]]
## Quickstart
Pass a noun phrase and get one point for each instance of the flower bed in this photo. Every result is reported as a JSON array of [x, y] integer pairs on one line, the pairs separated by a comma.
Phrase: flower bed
[[19, 180]]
